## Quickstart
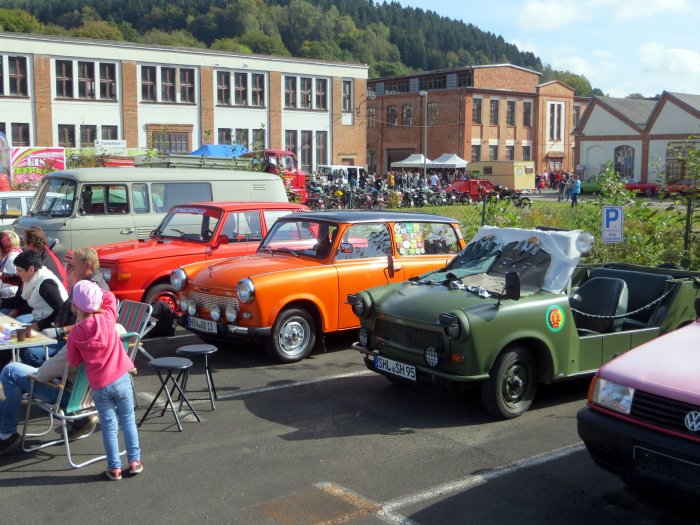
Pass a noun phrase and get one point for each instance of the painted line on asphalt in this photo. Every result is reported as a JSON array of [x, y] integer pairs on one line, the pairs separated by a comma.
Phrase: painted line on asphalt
[[387, 510]]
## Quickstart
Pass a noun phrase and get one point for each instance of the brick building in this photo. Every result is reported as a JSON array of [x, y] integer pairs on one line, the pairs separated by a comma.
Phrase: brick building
[[73, 92], [494, 112]]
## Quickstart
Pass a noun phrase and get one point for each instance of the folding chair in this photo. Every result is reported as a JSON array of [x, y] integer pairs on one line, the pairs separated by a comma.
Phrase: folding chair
[[136, 317], [79, 406]]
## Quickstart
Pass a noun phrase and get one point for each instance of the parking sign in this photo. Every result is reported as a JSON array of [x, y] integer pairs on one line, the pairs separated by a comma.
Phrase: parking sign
[[613, 218]]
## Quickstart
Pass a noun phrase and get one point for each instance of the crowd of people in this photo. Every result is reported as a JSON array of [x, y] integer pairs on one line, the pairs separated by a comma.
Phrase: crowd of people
[[73, 305], [568, 186], [396, 179]]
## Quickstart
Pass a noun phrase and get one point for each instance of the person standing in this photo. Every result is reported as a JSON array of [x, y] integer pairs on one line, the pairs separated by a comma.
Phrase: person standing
[[575, 190], [35, 241]]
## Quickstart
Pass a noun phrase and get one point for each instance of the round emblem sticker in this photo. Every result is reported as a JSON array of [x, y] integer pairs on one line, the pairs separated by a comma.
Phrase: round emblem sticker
[[555, 318]]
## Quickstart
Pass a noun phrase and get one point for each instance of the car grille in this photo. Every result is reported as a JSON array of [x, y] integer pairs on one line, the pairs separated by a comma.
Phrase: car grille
[[662, 412], [407, 336], [205, 300]]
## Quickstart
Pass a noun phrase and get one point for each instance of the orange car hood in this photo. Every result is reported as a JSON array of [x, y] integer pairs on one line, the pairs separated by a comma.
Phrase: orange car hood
[[227, 273], [149, 249]]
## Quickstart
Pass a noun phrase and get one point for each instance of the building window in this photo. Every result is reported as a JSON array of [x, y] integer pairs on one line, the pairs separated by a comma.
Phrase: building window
[[148, 83], [2, 78], [187, 86], [432, 82], [167, 84], [306, 93], [88, 133], [493, 118], [18, 75], [241, 89], [510, 152], [396, 86], [108, 82], [86, 80], [242, 137], [577, 114], [465, 78], [526, 153], [66, 135], [165, 142], [224, 136], [64, 78], [493, 152], [432, 113], [476, 152], [510, 112], [371, 117], [407, 115], [527, 114], [290, 140], [20, 134], [109, 133], [321, 147], [321, 93], [258, 139], [347, 96], [555, 116], [391, 116], [290, 92], [476, 111], [306, 150], [257, 90], [624, 161], [223, 88]]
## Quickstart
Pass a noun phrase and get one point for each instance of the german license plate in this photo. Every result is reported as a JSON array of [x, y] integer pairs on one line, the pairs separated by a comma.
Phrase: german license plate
[[394, 367], [673, 471], [201, 325]]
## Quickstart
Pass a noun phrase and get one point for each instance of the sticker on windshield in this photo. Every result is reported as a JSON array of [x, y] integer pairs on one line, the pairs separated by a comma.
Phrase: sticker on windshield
[[555, 318], [196, 211]]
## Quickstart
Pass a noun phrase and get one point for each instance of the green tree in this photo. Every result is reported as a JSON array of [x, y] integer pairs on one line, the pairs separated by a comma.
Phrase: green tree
[[99, 29], [179, 38], [230, 44], [18, 21], [264, 44]]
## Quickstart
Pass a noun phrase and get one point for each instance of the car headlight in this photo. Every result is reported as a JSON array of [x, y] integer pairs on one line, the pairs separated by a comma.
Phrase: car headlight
[[245, 290], [455, 325], [183, 303], [613, 396], [363, 337], [360, 304], [106, 274], [192, 307], [584, 243], [178, 278], [432, 356], [231, 313], [215, 312]]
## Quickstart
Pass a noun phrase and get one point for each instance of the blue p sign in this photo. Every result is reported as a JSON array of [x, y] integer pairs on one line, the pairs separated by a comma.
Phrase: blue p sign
[[613, 224], [611, 215]]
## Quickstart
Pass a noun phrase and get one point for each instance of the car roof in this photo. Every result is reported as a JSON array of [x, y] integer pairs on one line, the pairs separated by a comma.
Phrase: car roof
[[230, 205], [354, 216]]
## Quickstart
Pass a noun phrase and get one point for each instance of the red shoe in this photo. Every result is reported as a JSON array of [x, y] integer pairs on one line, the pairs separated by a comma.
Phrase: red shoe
[[135, 467], [115, 474]]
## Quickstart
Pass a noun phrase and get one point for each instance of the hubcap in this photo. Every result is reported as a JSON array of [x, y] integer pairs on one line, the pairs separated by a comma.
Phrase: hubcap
[[515, 383], [294, 336], [169, 301]]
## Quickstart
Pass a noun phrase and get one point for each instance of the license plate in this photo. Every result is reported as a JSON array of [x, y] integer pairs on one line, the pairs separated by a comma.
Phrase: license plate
[[660, 467], [202, 325], [394, 367]]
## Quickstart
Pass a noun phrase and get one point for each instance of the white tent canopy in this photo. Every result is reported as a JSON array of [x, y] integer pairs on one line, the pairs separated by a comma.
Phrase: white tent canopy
[[416, 160], [448, 160]]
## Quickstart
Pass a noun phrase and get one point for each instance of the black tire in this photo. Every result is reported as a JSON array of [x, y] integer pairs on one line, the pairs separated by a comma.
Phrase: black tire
[[466, 199], [293, 336], [162, 292], [648, 193], [512, 383], [524, 202]]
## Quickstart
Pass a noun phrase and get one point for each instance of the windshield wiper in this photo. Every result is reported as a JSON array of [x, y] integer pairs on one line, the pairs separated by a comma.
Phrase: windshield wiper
[[286, 249], [40, 213], [183, 235]]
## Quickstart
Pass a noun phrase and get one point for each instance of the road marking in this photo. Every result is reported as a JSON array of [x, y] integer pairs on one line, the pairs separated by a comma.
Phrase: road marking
[[387, 510]]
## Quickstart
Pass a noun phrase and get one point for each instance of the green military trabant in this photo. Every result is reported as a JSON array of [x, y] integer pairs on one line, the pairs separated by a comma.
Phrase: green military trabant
[[516, 308]]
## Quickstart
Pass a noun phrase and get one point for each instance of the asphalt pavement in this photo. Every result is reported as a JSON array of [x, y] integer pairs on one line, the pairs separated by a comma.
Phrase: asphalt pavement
[[325, 441]]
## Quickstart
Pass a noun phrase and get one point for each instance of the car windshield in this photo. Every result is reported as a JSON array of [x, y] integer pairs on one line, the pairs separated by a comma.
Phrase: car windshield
[[55, 197], [191, 223], [300, 237]]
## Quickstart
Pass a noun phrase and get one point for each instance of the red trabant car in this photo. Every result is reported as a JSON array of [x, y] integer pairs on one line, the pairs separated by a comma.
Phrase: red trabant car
[[140, 270], [471, 190]]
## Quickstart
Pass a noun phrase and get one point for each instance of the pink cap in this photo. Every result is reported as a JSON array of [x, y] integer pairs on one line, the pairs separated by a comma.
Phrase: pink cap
[[87, 296]]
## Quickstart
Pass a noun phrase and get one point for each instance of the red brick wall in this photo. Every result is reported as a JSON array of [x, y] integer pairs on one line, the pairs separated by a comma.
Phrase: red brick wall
[[275, 112], [130, 106], [206, 106], [506, 78], [42, 100], [349, 141]]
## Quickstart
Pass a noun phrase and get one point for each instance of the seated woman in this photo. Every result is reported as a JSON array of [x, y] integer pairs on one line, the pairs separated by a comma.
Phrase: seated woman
[[9, 249]]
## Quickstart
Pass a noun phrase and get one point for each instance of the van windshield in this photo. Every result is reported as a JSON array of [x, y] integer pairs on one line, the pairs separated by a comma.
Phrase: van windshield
[[54, 197]]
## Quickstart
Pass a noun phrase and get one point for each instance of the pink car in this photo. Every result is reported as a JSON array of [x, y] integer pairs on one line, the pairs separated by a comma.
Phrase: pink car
[[642, 421]]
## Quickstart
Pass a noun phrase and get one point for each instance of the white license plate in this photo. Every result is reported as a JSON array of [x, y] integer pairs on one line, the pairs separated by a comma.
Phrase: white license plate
[[203, 325], [394, 367]]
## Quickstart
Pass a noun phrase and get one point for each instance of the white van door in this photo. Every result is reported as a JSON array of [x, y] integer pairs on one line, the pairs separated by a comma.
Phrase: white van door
[[103, 215]]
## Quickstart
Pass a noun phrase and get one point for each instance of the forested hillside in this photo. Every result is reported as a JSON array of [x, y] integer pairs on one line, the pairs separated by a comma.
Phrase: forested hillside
[[390, 38]]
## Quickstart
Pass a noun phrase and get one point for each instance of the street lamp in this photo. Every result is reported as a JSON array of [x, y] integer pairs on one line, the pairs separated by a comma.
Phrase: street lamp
[[424, 94]]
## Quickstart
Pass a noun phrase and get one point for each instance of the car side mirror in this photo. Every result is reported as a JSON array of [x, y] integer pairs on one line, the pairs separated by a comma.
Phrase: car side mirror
[[221, 239], [345, 247]]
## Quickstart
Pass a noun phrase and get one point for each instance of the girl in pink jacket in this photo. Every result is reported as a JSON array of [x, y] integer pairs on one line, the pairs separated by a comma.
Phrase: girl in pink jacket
[[95, 342]]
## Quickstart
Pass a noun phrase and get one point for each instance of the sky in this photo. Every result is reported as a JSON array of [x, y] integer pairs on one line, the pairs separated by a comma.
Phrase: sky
[[620, 46]]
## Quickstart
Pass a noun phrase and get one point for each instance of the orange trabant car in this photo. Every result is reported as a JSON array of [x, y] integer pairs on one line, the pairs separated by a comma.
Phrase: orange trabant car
[[292, 290], [140, 270]]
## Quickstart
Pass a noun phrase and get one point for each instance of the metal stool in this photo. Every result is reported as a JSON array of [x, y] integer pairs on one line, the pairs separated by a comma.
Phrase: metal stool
[[201, 350], [171, 365]]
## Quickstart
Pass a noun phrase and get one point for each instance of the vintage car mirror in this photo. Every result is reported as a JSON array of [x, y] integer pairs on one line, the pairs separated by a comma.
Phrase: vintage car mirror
[[512, 290], [221, 239], [345, 247]]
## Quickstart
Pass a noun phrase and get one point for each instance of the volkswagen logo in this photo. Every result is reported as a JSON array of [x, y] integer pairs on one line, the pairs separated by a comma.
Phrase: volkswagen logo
[[692, 421]]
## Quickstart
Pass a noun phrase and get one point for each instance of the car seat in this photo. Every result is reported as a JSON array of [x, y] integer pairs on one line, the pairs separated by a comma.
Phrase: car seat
[[600, 296]]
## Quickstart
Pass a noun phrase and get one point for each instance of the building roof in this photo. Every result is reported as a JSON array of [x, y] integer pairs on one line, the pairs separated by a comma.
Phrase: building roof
[[450, 70], [692, 100], [637, 110]]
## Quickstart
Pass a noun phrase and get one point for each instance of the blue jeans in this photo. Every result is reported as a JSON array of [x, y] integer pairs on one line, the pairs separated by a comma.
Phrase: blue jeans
[[15, 382], [35, 356], [116, 400]]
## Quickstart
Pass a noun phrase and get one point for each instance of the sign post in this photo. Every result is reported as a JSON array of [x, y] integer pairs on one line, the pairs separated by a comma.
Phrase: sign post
[[613, 224]]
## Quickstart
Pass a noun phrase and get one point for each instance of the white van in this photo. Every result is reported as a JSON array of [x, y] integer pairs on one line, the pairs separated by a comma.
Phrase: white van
[[338, 173], [14, 204], [91, 206]]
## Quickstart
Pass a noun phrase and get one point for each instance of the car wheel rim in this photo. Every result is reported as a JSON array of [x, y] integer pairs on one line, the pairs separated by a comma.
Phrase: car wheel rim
[[515, 383], [169, 301], [294, 337]]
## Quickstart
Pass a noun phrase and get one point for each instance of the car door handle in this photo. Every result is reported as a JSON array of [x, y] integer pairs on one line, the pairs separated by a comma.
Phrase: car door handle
[[398, 268], [127, 231]]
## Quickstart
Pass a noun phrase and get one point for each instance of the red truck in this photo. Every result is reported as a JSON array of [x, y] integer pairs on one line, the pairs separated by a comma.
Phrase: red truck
[[284, 163]]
